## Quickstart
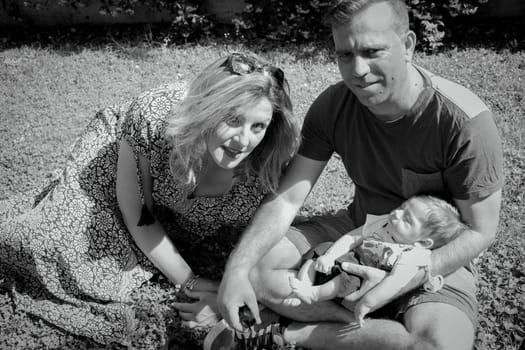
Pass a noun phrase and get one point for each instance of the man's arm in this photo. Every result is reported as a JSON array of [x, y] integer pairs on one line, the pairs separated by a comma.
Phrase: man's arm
[[268, 226], [481, 215], [385, 290], [346, 243], [349, 241]]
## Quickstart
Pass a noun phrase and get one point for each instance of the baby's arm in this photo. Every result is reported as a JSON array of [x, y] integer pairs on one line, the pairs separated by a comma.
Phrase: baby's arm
[[346, 243]]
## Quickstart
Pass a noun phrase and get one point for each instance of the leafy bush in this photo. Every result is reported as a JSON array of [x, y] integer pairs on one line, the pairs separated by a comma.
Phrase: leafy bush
[[282, 20], [433, 23], [300, 20], [188, 23]]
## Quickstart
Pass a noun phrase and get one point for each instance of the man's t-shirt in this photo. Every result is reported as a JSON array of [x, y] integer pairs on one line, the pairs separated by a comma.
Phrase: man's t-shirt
[[447, 146]]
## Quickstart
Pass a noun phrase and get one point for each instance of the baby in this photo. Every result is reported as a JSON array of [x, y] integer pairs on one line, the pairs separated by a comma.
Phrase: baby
[[399, 243]]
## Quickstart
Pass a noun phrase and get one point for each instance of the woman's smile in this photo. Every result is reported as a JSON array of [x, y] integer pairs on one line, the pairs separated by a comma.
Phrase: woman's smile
[[233, 140], [231, 152]]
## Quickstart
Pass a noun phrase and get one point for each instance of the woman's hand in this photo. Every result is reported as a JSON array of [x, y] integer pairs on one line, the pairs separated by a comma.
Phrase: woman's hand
[[205, 285], [203, 312]]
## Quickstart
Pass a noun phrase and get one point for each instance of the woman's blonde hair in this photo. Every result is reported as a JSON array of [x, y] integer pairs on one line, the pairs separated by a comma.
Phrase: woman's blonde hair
[[213, 96]]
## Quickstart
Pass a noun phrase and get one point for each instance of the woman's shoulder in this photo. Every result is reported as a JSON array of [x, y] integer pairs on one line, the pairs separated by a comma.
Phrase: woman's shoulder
[[152, 107], [171, 91], [159, 101]]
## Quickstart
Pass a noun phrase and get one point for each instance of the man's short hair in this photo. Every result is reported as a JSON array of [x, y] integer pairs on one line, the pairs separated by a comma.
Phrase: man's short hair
[[341, 12]]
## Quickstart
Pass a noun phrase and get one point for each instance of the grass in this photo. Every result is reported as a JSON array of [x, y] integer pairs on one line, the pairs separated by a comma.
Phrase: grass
[[48, 95]]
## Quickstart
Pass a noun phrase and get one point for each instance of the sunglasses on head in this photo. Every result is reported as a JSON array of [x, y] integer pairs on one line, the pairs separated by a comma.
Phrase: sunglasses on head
[[242, 64]]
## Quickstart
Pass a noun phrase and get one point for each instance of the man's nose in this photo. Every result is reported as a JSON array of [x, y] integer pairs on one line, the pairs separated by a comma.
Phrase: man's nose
[[359, 66]]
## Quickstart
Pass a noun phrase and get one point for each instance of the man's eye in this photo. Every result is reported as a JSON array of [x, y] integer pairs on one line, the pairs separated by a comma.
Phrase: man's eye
[[345, 56], [371, 52]]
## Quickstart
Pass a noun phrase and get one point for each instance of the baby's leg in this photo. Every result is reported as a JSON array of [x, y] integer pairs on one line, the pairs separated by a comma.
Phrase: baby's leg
[[326, 291], [305, 278]]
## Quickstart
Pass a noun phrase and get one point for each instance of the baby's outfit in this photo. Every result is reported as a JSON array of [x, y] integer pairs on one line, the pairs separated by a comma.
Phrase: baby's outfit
[[379, 250]]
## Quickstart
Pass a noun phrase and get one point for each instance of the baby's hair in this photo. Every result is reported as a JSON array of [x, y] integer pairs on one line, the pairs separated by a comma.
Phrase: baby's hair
[[442, 220]]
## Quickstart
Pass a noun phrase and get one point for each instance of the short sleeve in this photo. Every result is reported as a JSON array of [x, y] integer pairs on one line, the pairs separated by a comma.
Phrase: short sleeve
[[316, 141], [475, 158], [145, 124], [147, 118]]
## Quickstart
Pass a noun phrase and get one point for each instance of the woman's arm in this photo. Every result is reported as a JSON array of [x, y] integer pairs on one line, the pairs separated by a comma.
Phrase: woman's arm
[[150, 238]]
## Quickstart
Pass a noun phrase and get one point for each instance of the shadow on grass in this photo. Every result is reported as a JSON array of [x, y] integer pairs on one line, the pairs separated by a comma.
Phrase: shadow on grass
[[135, 41]]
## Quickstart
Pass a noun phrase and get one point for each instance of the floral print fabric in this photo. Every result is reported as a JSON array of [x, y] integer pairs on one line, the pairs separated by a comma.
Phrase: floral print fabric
[[74, 257]]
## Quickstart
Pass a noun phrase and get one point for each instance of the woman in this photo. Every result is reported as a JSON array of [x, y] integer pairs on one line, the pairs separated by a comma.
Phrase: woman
[[169, 173]]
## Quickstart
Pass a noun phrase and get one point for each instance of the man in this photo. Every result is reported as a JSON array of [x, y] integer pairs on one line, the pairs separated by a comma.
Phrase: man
[[400, 131]]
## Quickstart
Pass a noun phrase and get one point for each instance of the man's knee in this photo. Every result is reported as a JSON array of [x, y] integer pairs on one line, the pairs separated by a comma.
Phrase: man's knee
[[452, 342], [436, 326]]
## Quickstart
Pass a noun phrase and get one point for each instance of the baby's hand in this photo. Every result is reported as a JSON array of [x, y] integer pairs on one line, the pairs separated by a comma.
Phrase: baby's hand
[[324, 264]]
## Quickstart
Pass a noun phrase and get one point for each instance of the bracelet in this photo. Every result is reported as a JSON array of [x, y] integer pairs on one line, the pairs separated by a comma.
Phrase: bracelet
[[190, 282]]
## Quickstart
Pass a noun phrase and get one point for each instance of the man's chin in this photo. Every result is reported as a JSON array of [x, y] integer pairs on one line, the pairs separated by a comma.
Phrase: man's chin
[[370, 101]]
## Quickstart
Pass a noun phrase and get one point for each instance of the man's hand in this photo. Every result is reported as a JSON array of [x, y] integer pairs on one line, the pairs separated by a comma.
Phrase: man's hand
[[370, 275], [203, 312], [235, 292], [360, 311]]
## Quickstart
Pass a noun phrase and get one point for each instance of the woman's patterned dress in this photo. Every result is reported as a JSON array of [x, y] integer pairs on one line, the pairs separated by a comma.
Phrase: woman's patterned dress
[[75, 261]]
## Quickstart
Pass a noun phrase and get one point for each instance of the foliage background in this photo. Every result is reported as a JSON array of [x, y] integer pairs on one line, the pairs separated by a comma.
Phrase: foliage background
[[296, 21]]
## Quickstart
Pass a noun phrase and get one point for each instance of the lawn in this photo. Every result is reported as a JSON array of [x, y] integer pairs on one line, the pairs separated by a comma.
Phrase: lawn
[[48, 95]]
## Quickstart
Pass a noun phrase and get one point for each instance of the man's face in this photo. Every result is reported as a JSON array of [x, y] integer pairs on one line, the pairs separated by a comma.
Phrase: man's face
[[372, 57]]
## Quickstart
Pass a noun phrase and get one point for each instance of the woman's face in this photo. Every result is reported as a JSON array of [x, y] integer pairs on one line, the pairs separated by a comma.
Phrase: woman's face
[[233, 139]]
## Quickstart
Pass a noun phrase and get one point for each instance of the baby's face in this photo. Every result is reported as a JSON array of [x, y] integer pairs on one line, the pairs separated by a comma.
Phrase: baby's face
[[407, 222]]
